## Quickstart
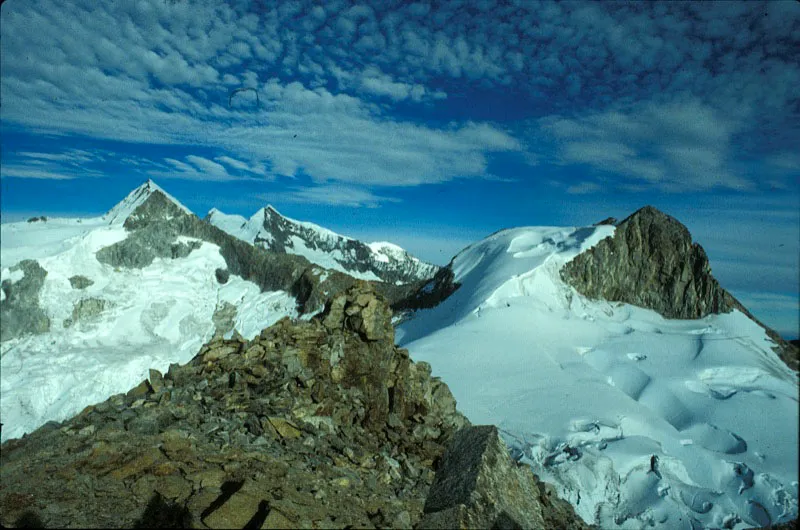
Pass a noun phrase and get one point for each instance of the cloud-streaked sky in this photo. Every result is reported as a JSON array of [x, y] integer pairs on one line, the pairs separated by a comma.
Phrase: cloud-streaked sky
[[428, 124]]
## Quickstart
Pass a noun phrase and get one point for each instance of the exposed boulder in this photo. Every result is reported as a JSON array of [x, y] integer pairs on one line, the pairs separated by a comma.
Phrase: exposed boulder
[[478, 485], [222, 275], [19, 310], [80, 282], [41, 218]]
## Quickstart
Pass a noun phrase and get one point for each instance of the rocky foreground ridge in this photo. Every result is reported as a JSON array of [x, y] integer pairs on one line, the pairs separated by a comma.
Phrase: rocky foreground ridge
[[317, 424], [652, 262]]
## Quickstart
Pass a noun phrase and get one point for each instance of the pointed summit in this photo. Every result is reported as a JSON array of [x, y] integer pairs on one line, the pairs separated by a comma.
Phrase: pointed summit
[[651, 262], [143, 204]]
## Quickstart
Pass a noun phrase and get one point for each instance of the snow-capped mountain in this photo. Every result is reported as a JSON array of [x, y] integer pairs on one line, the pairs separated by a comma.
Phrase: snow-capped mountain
[[81, 323], [88, 306], [380, 261], [637, 419], [139, 199]]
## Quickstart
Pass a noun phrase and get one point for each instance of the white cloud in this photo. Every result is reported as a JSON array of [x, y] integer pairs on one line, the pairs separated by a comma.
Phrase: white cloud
[[334, 194], [675, 145], [159, 72], [583, 188], [31, 173], [195, 168]]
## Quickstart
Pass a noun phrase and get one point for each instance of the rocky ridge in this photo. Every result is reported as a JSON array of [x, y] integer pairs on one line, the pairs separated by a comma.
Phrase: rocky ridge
[[270, 230], [323, 423], [157, 223], [652, 262]]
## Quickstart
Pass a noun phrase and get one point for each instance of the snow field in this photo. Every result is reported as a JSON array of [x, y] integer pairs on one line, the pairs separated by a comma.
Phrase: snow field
[[586, 392], [155, 316]]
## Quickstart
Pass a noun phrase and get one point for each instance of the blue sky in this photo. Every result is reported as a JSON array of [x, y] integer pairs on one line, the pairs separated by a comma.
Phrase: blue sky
[[430, 125]]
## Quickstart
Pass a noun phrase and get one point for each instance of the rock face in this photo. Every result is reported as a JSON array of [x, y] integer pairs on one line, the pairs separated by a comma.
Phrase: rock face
[[80, 282], [431, 293], [270, 230], [323, 423], [19, 309], [651, 262], [85, 310], [478, 485]]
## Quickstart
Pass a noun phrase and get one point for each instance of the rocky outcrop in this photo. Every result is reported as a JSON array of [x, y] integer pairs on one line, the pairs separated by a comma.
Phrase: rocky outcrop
[[224, 318], [431, 293], [478, 485], [86, 310], [80, 282], [323, 423], [651, 262], [158, 224], [19, 310], [142, 246], [156, 208]]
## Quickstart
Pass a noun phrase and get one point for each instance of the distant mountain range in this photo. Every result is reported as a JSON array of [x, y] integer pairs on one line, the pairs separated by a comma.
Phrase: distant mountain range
[[270, 230]]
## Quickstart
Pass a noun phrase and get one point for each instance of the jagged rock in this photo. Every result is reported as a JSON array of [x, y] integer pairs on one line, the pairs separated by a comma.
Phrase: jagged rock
[[308, 425], [156, 208], [19, 310], [80, 282], [85, 310], [182, 249], [606, 221], [431, 293], [238, 509], [387, 262], [141, 247], [224, 318], [651, 262], [478, 485]]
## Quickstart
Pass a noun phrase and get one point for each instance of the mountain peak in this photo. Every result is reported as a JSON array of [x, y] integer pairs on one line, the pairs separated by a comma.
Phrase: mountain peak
[[651, 262], [271, 230], [148, 200]]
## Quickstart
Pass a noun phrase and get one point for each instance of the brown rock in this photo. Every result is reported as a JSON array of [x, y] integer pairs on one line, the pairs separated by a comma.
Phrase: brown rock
[[479, 486], [285, 428], [238, 510]]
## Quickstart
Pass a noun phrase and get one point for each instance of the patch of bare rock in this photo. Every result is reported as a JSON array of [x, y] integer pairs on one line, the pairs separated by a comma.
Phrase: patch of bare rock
[[313, 424]]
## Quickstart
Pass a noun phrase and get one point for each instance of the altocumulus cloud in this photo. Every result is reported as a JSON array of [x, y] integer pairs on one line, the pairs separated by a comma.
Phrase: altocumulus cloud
[[668, 96], [160, 72]]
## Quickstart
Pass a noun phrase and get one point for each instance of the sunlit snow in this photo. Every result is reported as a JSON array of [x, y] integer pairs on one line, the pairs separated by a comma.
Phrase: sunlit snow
[[587, 392], [158, 315]]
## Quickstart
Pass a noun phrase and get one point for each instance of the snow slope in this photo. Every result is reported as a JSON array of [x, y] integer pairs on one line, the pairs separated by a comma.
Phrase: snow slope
[[157, 315], [586, 392]]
